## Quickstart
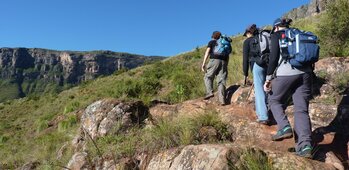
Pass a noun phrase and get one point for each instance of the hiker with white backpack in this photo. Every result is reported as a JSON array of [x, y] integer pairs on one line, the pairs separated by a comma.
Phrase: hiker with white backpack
[[218, 49], [292, 55], [255, 55]]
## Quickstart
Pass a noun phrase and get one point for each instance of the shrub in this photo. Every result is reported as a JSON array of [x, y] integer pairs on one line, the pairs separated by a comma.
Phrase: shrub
[[71, 107], [69, 122], [334, 32], [341, 81], [3, 139], [251, 159], [41, 125]]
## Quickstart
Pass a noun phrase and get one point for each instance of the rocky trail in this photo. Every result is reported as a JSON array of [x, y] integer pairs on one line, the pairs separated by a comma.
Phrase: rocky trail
[[329, 123]]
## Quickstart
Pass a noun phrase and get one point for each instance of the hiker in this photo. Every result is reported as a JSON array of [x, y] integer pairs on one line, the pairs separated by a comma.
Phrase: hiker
[[218, 49], [289, 80], [252, 58]]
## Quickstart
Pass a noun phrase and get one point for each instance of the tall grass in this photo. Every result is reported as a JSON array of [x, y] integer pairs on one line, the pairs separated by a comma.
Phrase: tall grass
[[163, 135], [251, 159]]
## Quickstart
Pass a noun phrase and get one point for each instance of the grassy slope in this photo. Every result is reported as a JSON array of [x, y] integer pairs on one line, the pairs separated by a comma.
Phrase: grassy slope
[[24, 122], [24, 132]]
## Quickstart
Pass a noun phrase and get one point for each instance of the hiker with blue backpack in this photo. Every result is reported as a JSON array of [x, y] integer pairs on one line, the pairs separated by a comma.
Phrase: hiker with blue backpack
[[255, 55], [218, 49], [293, 53]]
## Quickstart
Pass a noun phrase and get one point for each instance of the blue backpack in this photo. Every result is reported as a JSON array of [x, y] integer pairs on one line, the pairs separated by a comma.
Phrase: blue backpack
[[299, 47], [223, 46]]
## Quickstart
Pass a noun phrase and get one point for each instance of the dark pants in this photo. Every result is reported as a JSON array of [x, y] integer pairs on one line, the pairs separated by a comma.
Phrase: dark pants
[[299, 86]]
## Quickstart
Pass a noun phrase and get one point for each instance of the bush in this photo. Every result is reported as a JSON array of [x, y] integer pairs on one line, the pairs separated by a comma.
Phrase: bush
[[334, 32], [69, 122], [341, 81], [71, 107], [251, 159]]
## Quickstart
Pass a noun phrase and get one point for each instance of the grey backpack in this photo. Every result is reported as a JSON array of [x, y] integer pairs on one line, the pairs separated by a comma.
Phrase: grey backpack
[[264, 41], [262, 48]]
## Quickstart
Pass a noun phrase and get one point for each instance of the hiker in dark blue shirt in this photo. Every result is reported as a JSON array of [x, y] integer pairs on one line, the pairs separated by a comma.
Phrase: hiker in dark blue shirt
[[251, 53], [217, 66], [284, 81]]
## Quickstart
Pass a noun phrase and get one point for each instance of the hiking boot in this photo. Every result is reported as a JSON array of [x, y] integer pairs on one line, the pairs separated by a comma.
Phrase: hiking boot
[[208, 96], [284, 133], [305, 152]]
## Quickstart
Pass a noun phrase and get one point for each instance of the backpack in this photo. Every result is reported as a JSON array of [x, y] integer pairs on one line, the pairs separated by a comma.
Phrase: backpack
[[299, 47], [223, 46], [261, 48]]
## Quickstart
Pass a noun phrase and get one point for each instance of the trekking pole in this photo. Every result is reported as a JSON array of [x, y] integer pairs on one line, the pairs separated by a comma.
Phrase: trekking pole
[[245, 82]]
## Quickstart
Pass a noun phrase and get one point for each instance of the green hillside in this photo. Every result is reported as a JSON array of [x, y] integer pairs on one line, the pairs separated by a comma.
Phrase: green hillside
[[174, 80], [26, 133]]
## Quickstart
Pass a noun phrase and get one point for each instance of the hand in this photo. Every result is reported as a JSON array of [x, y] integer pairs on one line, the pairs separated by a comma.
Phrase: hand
[[267, 86], [203, 68]]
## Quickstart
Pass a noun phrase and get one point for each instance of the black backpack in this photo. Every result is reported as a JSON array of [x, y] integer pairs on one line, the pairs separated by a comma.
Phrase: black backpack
[[260, 48]]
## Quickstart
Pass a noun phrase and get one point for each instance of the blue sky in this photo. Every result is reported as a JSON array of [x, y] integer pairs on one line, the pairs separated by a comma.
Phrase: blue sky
[[148, 27]]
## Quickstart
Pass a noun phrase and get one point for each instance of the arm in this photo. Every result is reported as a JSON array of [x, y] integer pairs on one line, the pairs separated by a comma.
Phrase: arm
[[245, 63], [203, 69], [274, 56], [273, 61]]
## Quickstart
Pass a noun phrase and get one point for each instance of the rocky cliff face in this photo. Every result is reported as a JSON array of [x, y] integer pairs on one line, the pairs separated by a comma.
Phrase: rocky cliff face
[[22, 66], [315, 7]]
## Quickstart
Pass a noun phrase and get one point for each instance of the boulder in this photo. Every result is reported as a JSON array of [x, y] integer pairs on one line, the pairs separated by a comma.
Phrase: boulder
[[322, 115], [163, 160], [241, 94], [192, 157], [331, 158], [79, 161], [101, 118], [111, 116]]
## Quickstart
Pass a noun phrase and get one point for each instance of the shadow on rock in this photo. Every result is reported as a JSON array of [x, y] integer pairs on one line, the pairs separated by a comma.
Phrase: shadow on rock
[[230, 91], [338, 144]]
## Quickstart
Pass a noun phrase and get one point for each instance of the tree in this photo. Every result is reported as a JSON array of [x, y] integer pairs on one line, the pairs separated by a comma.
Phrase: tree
[[334, 29]]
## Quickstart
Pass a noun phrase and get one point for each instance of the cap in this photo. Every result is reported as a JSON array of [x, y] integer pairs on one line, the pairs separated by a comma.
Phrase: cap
[[251, 28], [277, 22], [281, 22]]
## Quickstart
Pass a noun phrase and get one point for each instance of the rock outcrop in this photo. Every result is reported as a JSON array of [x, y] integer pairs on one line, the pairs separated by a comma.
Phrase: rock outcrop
[[111, 116], [247, 134], [313, 8], [32, 69]]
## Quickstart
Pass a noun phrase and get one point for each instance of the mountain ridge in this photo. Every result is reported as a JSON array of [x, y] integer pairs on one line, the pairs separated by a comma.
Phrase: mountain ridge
[[313, 8], [31, 70]]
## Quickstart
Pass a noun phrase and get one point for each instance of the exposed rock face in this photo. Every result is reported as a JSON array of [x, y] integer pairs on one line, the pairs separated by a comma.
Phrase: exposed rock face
[[315, 7], [104, 116], [192, 157], [25, 66], [79, 161], [331, 67], [224, 157]]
